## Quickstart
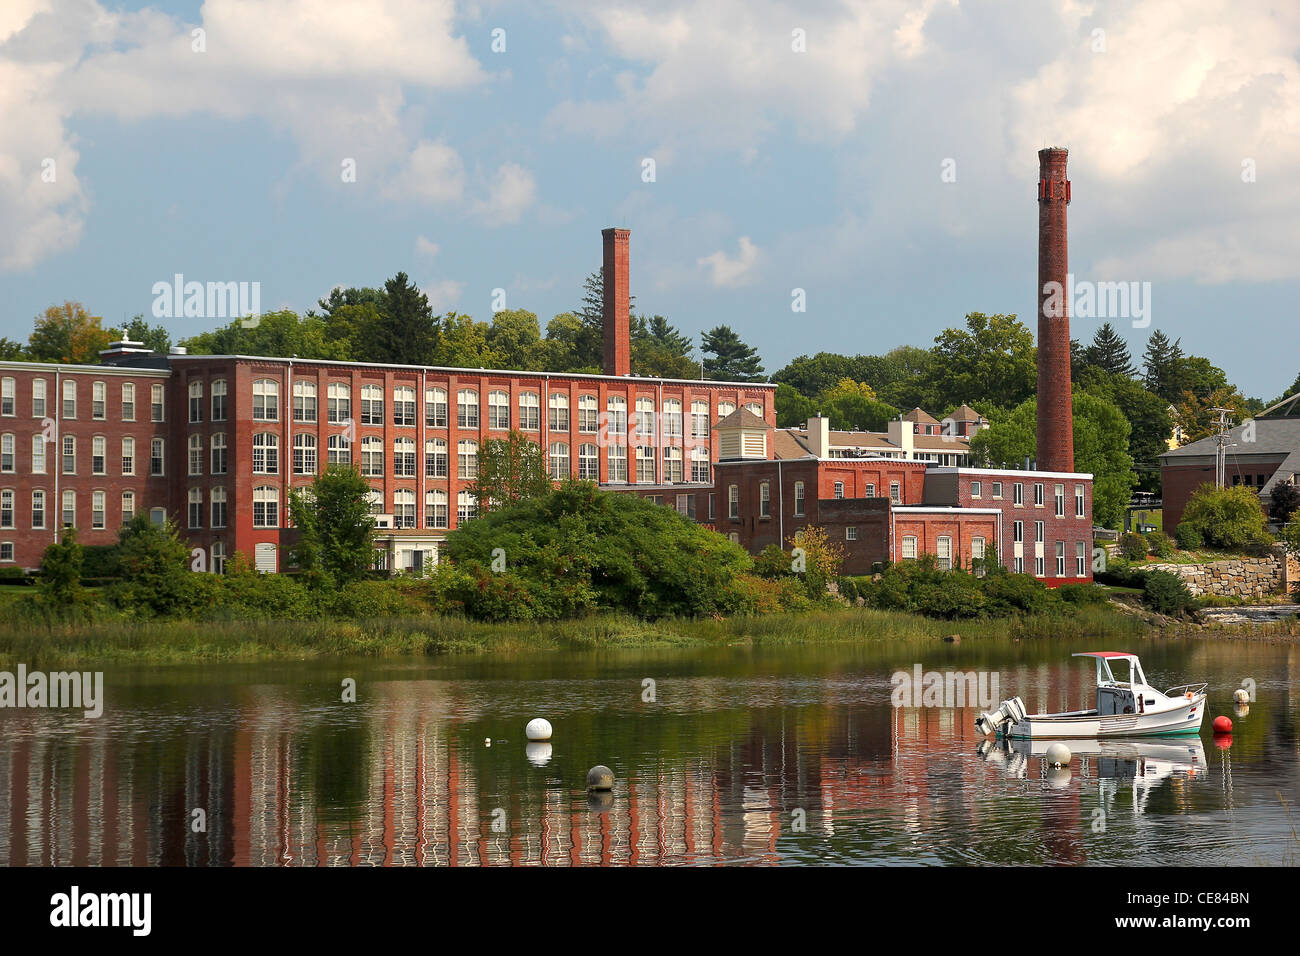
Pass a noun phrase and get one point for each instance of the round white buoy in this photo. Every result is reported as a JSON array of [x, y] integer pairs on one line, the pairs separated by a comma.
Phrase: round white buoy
[[600, 777], [538, 754], [487, 741], [1241, 695], [539, 728], [1058, 755]]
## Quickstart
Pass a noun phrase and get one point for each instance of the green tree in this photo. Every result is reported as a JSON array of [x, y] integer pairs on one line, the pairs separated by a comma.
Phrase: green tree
[[335, 527], [660, 350], [60, 580], [853, 405], [1101, 436], [11, 351], [792, 409], [463, 343], [1230, 519], [732, 360], [992, 361], [1147, 414], [1160, 363], [406, 332], [1284, 503], [510, 470], [515, 339], [154, 337], [154, 573], [1109, 352]]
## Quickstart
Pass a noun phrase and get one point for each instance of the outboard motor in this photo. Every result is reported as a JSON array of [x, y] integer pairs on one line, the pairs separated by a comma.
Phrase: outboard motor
[[1011, 712]]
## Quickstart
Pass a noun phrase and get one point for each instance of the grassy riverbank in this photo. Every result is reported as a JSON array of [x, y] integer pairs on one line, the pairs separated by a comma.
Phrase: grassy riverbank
[[177, 642]]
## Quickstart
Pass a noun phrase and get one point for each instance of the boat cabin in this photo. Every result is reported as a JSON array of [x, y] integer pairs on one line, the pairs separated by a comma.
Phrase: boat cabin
[[1114, 696]]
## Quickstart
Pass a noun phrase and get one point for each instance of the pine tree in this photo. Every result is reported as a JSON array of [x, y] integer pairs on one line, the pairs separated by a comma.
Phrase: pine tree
[[1109, 352], [406, 333], [733, 360], [590, 340], [1160, 364]]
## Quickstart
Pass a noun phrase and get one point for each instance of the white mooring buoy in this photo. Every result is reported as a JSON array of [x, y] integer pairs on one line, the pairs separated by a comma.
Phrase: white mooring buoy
[[1058, 755], [539, 728]]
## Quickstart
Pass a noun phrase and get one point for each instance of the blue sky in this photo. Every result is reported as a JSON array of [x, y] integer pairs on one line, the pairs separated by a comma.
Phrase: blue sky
[[775, 168]]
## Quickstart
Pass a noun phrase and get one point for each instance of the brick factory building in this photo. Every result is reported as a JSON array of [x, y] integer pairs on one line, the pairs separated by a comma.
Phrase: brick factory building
[[217, 442]]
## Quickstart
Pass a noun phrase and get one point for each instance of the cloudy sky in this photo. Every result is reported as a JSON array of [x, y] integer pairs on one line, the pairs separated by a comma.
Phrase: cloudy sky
[[879, 155]]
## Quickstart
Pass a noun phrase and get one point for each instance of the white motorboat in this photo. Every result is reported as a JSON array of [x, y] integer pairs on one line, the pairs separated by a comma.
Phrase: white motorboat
[[1125, 708]]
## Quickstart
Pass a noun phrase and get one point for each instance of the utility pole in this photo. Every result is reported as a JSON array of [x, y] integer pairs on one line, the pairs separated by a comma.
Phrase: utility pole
[[1222, 443]]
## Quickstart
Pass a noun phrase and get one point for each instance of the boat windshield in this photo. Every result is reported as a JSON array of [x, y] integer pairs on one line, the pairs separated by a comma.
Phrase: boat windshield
[[1129, 671]]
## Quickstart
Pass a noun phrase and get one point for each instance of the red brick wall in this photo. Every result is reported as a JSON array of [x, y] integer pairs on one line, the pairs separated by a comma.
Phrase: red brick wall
[[928, 527], [617, 331]]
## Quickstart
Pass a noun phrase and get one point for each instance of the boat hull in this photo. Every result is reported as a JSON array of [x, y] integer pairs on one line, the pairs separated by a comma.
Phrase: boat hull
[[1180, 720]]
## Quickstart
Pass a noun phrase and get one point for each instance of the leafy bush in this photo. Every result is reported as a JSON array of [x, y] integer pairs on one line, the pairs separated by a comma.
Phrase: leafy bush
[[1166, 593], [1227, 518], [848, 590], [772, 562], [920, 587], [1083, 593], [1189, 537], [1133, 546], [1160, 544]]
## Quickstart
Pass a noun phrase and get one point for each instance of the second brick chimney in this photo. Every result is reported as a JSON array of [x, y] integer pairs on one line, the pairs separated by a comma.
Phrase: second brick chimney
[[614, 314], [1055, 405]]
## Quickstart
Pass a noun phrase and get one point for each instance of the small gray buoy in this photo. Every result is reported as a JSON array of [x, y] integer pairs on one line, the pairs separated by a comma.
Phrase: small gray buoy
[[600, 777], [1058, 755]]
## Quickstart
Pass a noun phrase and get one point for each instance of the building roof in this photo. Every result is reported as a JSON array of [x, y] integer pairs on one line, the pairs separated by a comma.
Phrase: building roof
[[742, 418], [1273, 436], [920, 416], [786, 445], [965, 413]]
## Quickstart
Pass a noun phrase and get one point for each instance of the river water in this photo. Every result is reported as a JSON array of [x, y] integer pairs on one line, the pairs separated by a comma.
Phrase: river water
[[735, 755]]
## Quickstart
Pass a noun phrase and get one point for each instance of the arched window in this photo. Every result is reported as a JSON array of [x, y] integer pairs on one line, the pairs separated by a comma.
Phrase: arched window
[[404, 410], [435, 458], [559, 461], [266, 507], [467, 459], [529, 412], [338, 399], [339, 450], [588, 414], [404, 508], [219, 460], [588, 462], [673, 417], [304, 401], [218, 501], [196, 455], [372, 405], [466, 507], [673, 468], [558, 412], [700, 465], [196, 401], [219, 400], [266, 400], [467, 408], [404, 460], [435, 407], [304, 454], [372, 457], [266, 453], [616, 417], [498, 409], [435, 508]]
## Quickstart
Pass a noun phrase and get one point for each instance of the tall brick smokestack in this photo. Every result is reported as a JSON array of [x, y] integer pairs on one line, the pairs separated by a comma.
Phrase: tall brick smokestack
[[1055, 407], [614, 314]]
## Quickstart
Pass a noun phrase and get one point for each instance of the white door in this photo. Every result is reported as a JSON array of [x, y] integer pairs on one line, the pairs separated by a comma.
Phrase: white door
[[264, 557]]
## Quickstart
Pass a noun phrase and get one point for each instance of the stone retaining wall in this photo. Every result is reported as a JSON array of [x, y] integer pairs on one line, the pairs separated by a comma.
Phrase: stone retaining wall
[[1242, 577]]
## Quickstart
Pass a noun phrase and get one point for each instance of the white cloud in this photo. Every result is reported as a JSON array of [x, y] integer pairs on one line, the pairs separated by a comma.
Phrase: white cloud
[[726, 271], [512, 190], [433, 173], [425, 247], [443, 294]]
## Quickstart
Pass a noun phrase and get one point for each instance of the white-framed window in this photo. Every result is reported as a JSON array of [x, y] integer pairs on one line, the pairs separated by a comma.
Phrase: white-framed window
[[557, 412], [498, 410], [1038, 494], [1038, 532], [896, 492], [435, 458], [699, 419], [700, 465], [616, 415], [38, 509], [1040, 566], [196, 508], [733, 501], [839, 489], [588, 414], [530, 415], [219, 400], [128, 402], [1060, 557], [435, 508], [404, 507], [196, 401], [338, 402], [645, 464], [1079, 510], [1058, 495], [69, 508], [644, 426], [467, 408], [435, 408], [978, 548], [673, 417], [754, 408], [99, 455], [764, 499], [128, 456], [266, 400], [8, 452], [467, 458], [304, 401], [69, 398], [128, 506], [38, 397], [304, 454], [1018, 531], [218, 507], [869, 490], [673, 465], [909, 547], [1080, 559], [7, 508], [850, 533], [220, 460], [725, 409], [156, 402], [1018, 564], [69, 454], [616, 461], [559, 460], [218, 557], [266, 507], [997, 489], [943, 552], [1018, 494], [588, 462], [372, 405], [196, 455], [404, 459], [372, 456], [798, 499], [266, 453], [466, 507], [38, 454], [6, 551], [338, 450], [975, 489], [8, 396], [404, 414]]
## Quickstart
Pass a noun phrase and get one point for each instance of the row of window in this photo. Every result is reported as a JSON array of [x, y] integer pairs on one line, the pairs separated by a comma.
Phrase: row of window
[[67, 450], [338, 408], [1018, 495], [943, 547], [800, 495], [41, 501], [98, 399]]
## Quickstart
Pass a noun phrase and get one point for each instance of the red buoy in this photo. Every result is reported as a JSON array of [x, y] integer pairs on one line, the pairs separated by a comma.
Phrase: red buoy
[[1222, 725]]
